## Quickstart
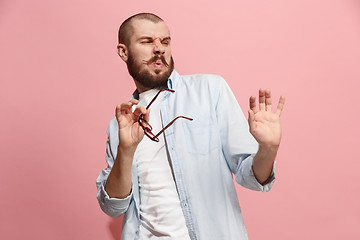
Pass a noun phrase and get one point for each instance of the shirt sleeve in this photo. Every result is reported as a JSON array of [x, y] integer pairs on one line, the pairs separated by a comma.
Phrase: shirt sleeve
[[238, 145], [244, 175], [114, 207]]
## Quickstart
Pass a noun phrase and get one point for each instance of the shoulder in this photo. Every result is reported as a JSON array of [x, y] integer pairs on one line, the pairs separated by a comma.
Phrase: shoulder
[[202, 81], [205, 89], [210, 78], [196, 79]]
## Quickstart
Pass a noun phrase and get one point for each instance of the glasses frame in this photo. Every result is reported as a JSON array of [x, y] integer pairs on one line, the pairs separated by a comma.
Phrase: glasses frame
[[148, 128]]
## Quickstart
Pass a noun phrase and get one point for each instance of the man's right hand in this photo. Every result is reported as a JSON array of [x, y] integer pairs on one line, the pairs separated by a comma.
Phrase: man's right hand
[[118, 184], [130, 131]]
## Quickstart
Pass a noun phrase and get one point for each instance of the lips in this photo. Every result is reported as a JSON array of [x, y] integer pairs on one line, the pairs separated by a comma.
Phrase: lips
[[157, 61]]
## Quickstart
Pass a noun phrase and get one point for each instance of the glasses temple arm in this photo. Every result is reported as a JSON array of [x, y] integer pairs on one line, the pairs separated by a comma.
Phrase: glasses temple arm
[[169, 124], [164, 89]]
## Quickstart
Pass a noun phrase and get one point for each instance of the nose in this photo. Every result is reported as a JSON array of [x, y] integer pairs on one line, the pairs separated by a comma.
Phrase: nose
[[158, 47]]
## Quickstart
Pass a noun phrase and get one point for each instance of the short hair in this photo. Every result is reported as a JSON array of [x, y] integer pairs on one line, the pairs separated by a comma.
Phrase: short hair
[[126, 27]]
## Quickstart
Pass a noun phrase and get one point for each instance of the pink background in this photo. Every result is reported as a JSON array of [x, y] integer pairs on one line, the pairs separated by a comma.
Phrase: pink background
[[61, 79]]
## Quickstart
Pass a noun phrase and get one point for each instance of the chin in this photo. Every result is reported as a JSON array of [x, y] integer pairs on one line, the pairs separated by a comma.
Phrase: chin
[[157, 71]]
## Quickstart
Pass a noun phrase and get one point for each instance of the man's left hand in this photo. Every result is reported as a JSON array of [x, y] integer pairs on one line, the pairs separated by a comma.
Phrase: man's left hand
[[263, 122]]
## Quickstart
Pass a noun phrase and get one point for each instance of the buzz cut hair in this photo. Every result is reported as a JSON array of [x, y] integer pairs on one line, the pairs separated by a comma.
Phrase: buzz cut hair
[[126, 28]]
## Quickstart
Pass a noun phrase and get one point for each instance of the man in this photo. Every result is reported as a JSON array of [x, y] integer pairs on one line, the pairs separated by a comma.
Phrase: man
[[178, 184]]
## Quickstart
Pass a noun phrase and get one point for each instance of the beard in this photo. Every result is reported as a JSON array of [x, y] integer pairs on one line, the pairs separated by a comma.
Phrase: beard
[[144, 76]]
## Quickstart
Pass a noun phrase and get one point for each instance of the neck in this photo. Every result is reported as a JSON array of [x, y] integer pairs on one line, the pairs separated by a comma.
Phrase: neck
[[140, 88]]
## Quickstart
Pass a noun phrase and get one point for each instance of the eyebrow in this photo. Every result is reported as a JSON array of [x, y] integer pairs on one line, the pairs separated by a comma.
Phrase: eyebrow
[[151, 38], [166, 38]]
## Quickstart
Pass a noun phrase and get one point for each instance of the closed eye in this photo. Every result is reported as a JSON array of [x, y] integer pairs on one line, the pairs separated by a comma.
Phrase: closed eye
[[146, 40]]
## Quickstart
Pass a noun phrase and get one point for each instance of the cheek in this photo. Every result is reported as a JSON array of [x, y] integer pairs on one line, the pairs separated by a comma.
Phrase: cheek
[[140, 56], [168, 55], [141, 53]]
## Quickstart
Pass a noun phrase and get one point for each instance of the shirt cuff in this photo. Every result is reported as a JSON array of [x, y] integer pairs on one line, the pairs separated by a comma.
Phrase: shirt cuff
[[268, 183], [245, 176], [114, 204]]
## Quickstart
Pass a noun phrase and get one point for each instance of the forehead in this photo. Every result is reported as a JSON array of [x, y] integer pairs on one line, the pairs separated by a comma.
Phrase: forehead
[[143, 27]]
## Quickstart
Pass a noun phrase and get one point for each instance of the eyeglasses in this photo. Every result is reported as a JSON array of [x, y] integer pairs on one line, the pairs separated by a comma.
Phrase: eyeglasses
[[147, 127]]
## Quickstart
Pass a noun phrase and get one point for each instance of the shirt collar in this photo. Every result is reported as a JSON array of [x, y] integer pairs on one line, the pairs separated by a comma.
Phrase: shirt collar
[[170, 81]]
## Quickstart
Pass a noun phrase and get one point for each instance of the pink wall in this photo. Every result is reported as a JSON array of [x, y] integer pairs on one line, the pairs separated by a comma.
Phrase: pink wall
[[61, 79]]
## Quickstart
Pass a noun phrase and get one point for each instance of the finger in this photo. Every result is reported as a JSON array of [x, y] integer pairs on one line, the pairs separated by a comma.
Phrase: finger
[[252, 103], [134, 101], [262, 99], [268, 100], [147, 115], [280, 105], [118, 114], [251, 119], [139, 110], [126, 107]]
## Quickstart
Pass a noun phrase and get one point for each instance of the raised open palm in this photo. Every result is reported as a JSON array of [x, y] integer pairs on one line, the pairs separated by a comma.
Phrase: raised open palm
[[263, 122]]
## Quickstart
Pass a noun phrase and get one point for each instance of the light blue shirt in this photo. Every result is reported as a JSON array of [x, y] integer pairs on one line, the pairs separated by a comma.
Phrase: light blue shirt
[[204, 154]]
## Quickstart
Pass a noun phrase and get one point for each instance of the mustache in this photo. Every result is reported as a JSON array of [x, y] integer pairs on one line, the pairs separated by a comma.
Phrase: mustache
[[157, 57]]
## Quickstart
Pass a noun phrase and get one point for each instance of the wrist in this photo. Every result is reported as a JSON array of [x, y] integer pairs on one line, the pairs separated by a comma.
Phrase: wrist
[[126, 152], [269, 148], [267, 151]]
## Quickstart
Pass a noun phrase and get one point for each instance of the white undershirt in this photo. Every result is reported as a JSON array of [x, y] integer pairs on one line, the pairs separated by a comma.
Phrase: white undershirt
[[160, 213]]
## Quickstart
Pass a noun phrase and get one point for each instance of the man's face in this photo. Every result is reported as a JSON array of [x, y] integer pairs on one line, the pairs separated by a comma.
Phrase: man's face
[[149, 54]]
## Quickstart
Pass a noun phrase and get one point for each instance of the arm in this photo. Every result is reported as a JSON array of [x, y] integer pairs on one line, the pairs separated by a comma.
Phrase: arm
[[118, 184], [266, 129], [114, 183], [239, 145]]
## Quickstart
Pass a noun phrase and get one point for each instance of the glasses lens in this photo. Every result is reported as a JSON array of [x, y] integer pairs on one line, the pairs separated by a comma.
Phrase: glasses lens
[[151, 136], [145, 125]]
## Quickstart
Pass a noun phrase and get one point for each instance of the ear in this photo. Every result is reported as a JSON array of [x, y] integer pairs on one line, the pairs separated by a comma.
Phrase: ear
[[122, 51]]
